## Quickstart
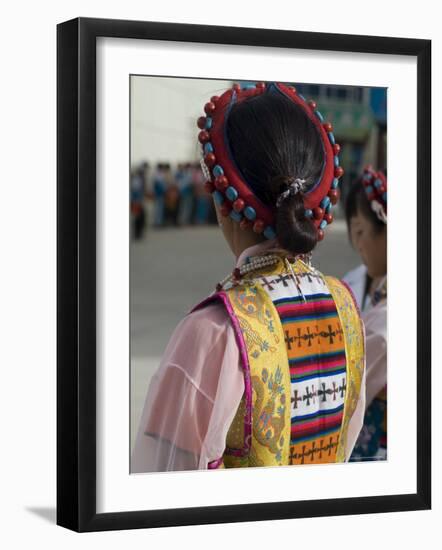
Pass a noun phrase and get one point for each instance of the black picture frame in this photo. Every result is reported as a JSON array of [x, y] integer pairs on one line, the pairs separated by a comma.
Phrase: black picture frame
[[76, 273]]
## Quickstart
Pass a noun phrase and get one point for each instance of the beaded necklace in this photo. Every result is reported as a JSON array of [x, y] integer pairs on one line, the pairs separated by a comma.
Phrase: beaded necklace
[[258, 262]]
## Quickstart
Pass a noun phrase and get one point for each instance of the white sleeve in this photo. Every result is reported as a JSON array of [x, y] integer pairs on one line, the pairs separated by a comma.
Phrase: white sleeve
[[375, 322]]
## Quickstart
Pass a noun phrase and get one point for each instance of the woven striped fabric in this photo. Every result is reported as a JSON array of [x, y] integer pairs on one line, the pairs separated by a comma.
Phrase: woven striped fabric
[[316, 352]]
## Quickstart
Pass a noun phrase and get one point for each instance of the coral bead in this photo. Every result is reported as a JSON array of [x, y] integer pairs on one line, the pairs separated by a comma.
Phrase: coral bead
[[209, 107], [328, 218], [238, 205], [312, 104], [236, 87], [225, 209], [318, 213], [328, 127], [209, 187], [214, 98], [201, 122], [210, 159], [334, 195], [260, 85], [258, 226], [336, 148], [203, 136], [320, 234], [221, 183], [245, 223], [382, 189], [339, 171]]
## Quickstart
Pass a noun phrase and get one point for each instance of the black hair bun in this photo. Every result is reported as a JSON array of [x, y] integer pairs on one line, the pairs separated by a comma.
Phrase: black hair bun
[[295, 232]]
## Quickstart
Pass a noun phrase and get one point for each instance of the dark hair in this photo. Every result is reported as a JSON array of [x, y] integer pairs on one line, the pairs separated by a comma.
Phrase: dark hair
[[271, 140], [357, 201]]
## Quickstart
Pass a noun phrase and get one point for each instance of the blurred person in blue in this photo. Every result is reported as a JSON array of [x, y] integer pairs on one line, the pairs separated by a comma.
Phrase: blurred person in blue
[[202, 199], [183, 179], [171, 197], [159, 191], [366, 215]]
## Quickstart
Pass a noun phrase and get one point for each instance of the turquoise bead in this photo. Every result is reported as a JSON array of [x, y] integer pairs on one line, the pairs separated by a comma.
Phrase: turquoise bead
[[328, 208], [208, 148], [331, 137], [336, 160], [231, 193], [249, 213], [302, 97], [335, 183], [325, 202], [235, 216], [269, 232], [209, 123], [308, 213], [217, 170], [217, 197], [377, 183], [369, 189], [249, 86], [323, 224], [318, 114]]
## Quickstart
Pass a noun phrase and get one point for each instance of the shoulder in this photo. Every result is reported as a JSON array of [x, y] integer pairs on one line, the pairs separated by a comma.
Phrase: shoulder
[[207, 316], [342, 292], [355, 275], [375, 320]]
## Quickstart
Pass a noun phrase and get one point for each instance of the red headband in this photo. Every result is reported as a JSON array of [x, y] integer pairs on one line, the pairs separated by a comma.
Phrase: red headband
[[225, 181], [375, 184]]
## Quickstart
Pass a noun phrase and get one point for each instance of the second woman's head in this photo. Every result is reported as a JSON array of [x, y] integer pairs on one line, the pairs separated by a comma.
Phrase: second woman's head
[[367, 233]]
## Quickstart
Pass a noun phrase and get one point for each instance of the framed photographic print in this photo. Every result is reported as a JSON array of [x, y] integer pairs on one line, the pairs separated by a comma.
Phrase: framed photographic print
[[225, 348]]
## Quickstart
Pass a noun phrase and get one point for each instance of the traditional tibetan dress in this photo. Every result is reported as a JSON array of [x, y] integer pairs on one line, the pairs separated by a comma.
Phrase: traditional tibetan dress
[[301, 344]]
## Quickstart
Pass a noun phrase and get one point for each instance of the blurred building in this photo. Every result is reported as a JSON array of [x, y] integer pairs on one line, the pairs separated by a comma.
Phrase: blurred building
[[359, 118]]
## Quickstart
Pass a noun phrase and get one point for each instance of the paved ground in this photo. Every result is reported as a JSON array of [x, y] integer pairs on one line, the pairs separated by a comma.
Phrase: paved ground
[[173, 269]]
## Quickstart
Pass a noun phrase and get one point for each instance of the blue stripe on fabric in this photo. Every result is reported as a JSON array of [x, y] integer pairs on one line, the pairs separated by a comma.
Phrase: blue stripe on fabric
[[321, 412], [314, 315], [318, 357], [341, 370], [299, 299]]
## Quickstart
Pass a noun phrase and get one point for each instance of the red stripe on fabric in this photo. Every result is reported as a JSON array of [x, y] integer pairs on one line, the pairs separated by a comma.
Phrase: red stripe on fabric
[[316, 425], [318, 366], [320, 305]]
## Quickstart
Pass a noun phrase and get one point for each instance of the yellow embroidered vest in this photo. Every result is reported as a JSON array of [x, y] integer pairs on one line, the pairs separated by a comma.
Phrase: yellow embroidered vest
[[302, 350]]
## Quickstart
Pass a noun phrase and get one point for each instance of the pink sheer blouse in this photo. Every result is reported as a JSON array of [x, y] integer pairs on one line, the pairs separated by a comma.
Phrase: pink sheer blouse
[[195, 392]]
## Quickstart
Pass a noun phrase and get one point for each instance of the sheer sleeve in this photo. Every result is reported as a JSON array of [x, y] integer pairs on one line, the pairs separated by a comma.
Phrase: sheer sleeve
[[192, 397]]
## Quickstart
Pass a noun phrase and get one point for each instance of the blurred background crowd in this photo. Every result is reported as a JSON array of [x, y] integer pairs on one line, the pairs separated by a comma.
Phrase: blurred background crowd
[[169, 195]]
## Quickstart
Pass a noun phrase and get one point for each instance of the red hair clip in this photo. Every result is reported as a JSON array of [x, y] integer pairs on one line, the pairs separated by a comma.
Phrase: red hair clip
[[375, 184]]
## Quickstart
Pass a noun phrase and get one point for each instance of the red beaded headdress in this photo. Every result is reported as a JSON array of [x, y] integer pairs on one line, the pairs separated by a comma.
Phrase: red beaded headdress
[[231, 191], [375, 184]]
